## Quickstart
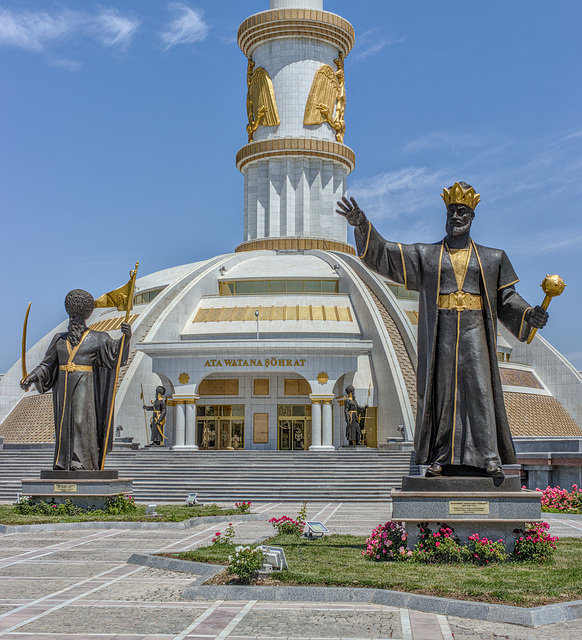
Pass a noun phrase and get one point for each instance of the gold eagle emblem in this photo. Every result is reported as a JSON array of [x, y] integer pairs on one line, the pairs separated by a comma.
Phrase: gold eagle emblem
[[327, 98], [261, 104]]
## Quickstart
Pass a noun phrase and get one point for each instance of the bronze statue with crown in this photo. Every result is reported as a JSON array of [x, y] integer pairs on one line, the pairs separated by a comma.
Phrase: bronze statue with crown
[[464, 289]]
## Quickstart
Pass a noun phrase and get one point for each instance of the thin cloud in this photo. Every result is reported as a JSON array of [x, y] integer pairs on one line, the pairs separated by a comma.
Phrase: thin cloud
[[35, 31], [65, 63], [188, 26], [370, 43], [113, 29], [394, 194], [44, 32], [443, 139]]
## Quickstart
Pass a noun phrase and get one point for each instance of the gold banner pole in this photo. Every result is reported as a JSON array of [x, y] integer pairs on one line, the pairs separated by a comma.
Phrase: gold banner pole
[[552, 286], [132, 275], [24, 329]]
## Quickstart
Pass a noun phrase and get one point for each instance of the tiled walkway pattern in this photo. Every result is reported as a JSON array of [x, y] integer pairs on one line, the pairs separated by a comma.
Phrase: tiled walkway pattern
[[75, 585]]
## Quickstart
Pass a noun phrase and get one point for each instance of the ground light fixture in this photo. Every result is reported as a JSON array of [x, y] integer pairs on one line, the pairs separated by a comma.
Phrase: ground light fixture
[[151, 510], [274, 559], [192, 499], [315, 530]]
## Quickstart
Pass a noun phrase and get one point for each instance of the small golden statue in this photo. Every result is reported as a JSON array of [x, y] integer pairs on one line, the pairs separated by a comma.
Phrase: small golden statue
[[327, 98], [261, 104]]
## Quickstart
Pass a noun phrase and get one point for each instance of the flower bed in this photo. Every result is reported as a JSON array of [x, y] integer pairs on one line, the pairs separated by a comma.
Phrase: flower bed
[[388, 542], [558, 500]]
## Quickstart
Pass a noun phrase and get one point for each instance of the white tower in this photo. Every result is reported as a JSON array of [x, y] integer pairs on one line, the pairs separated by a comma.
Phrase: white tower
[[294, 170]]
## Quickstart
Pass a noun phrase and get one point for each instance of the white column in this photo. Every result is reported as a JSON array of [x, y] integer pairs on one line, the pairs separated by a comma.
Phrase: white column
[[191, 426], [185, 423], [315, 425], [179, 425], [327, 426]]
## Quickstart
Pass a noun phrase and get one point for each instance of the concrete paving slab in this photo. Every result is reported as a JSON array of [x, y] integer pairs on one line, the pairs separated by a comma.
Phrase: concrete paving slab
[[113, 620], [30, 589], [318, 624]]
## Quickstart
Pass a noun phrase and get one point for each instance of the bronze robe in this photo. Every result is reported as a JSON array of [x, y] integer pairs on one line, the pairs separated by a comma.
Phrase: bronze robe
[[461, 417], [82, 380]]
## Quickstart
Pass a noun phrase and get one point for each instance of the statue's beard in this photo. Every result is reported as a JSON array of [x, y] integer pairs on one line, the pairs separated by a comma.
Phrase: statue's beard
[[455, 232], [77, 328]]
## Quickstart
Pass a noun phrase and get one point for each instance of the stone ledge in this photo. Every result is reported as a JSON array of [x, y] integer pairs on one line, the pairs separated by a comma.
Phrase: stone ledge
[[530, 617], [184, 524]]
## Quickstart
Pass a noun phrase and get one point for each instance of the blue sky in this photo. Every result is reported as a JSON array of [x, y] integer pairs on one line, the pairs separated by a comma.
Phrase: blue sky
[[120, 121]]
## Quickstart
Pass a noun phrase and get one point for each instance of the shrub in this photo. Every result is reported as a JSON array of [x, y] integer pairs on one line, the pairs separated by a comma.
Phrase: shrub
[[245, 563], [441, 546], [120, 503], [243, 507], [29, 506], [302, 515], [555, 498], [225, 538], [285, 524], [484, 551], [387, 542], [535, 543]]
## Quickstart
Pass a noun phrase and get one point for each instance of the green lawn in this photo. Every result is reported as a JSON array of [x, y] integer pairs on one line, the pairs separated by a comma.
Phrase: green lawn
[[337, 561], [168, 513]]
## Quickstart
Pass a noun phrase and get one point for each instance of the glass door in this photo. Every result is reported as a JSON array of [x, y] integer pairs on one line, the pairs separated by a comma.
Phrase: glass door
[[294, 427]]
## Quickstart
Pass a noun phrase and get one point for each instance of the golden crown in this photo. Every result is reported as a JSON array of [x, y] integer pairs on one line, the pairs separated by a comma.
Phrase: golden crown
[[457, 194]]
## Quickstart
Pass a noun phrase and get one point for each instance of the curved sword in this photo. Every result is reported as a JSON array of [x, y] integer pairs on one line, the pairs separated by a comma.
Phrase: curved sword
[[24, 373]]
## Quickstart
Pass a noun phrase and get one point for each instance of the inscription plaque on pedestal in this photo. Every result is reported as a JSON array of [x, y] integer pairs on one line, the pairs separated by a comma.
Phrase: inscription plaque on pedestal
[[469, 507], [65, 488]]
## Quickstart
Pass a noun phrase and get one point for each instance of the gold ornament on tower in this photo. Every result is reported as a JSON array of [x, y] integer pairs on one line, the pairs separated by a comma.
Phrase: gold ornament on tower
[[261, 104], [327, 98]]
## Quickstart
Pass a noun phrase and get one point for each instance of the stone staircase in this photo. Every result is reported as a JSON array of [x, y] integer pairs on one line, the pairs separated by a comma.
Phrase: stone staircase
[[169, 476]]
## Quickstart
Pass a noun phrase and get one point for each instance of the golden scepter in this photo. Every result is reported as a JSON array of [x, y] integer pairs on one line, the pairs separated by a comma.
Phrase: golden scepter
[[24, 372], [552, 286]]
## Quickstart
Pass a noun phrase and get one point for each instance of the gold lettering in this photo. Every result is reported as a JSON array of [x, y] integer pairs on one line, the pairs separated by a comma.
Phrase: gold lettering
[[228, 363], [296, 363], [281, 362], [245, 364], [208, 363], [218, 363], [253, 363], [259, 363], [239, 362], [289, 363], [302, 362]]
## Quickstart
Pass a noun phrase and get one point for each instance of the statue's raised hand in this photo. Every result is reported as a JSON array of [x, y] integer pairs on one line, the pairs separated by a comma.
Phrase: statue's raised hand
[[351, 212]]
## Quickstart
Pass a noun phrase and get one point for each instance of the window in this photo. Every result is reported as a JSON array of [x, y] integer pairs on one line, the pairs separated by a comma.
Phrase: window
[[261, 387], [147, 296], [262, 287], [261, 428], [401, 292], [218, 388], [297, 387]]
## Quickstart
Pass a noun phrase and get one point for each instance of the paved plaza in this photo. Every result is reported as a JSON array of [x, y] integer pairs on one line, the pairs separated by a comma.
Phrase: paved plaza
[[76, 585]]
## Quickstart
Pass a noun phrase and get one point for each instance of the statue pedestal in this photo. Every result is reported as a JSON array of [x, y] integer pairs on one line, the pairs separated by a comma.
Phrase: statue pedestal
[[85, 489], [467, 504]]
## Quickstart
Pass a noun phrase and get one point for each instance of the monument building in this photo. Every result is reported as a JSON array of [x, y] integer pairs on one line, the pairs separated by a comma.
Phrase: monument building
[[256, 347]]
